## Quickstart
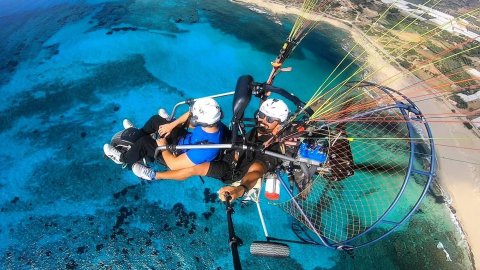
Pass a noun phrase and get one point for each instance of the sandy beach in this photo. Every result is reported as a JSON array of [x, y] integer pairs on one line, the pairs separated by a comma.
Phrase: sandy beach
[[458, 166]]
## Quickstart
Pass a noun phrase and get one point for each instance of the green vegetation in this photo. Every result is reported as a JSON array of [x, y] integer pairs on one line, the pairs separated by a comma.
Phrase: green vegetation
[[434, 48], [458, 78], [407, 24], [404, 63], [392, 18], [474, 52], [410, 53], [362, 2], [453, 66], [460, 103], [450, 38], [335, 5]]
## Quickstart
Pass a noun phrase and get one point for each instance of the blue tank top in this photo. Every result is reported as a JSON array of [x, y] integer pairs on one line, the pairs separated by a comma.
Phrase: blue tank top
[[199, 136]]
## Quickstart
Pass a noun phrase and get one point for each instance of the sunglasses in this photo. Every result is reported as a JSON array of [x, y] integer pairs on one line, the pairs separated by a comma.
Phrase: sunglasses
[[261, 115]]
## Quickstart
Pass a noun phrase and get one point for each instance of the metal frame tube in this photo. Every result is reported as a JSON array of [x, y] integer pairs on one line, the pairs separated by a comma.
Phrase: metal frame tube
[[242, 147], [262, 220], [399, 194], [412, 108], [185, 102], [424, 192]]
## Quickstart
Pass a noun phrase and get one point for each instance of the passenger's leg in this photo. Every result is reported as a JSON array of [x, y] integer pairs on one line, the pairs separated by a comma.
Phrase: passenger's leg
[[144, 147], [151, 126]]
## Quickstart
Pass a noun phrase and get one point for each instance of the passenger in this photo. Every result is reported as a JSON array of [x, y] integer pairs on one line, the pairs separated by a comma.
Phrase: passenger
[[205, 116], [246, 166]]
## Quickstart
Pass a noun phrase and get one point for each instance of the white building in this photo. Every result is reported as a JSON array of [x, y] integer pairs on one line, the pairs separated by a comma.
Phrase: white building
[[473, 101], [474, 73], [476, 122], [443, 20]]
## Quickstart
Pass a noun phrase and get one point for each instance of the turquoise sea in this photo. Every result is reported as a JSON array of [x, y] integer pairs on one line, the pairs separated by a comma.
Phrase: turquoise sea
[[71, 71]]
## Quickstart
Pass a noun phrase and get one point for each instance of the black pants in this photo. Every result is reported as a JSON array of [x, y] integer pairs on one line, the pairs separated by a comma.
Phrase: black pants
[[146, 145]]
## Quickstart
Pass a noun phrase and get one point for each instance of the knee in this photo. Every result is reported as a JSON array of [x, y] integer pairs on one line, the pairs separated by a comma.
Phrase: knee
[[154, 120], [157, 120], [147, 140]]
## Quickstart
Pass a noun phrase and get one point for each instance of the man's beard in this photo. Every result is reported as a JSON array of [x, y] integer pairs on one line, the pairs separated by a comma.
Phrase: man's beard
[[262, 129]]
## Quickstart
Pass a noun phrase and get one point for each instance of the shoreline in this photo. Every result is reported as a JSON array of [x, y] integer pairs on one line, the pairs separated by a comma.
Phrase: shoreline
[[461, 181]]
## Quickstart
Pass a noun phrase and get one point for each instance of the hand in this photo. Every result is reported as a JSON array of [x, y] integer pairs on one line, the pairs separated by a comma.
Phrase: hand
[[161, 142], [235, 192], [165, 130]]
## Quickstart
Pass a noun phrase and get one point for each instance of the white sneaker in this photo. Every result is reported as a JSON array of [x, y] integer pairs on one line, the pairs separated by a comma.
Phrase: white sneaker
[[112, 153], [143, 172], [127, 124], [163, 113]]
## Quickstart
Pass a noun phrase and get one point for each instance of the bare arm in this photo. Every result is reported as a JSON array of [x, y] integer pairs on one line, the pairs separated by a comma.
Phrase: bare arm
[[256, 171], [185, 173], [174, 162], [182, 119], [164, 130]]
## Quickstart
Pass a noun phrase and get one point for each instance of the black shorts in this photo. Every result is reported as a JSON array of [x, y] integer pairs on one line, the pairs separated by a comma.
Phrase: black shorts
[[269, 162], [223, 171]]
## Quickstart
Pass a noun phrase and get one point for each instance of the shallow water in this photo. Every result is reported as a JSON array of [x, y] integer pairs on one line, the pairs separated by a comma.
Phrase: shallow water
[[72, 70]]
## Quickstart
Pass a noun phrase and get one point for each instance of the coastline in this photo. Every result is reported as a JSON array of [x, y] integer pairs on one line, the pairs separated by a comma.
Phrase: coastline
[[460, 180]]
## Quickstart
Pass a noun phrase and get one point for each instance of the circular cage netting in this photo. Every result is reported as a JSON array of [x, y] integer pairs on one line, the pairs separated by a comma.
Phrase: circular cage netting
[[374, 141]]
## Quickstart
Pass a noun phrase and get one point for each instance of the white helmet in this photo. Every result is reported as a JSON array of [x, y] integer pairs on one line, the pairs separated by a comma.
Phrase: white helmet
[[206, 112], [275, 108]]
